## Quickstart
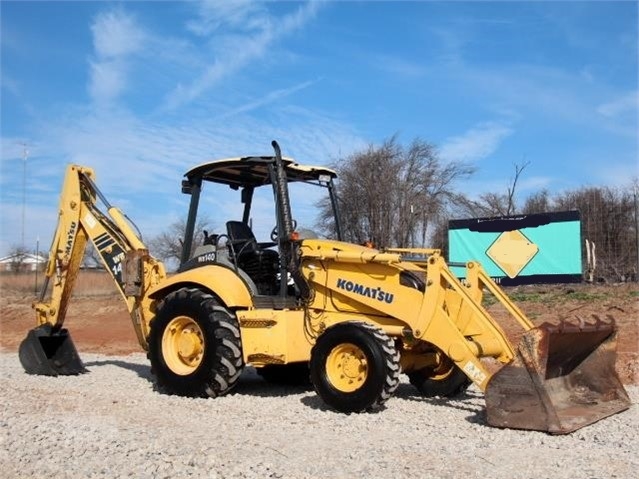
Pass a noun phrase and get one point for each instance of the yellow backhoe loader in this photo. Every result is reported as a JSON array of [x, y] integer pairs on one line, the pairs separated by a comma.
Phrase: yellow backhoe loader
[[353, 318]]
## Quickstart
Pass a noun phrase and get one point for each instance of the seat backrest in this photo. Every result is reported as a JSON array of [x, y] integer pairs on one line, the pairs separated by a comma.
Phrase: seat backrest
[[239, 231], [241, 236]]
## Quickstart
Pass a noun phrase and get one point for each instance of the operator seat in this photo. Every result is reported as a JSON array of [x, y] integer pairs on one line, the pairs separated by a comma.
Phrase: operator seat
[[259, 262], [241, 237]]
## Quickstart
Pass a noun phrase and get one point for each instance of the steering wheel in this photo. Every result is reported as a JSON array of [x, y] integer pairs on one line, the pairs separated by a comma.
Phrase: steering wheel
[[275, 234]]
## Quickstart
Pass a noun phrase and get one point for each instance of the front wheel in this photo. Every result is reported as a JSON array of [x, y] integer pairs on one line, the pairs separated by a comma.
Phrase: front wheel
[[194, 345], [354, 367]]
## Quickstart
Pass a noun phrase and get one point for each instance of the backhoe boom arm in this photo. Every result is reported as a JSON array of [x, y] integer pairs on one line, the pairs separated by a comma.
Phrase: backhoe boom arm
[[120, 249]]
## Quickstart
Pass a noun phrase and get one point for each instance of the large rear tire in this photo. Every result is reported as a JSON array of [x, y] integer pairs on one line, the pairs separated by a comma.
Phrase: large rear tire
[[445, 379], [354, 367], [195, 347]]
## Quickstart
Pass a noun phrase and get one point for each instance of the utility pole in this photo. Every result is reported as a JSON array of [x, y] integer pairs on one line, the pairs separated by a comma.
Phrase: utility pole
[[25, 155]]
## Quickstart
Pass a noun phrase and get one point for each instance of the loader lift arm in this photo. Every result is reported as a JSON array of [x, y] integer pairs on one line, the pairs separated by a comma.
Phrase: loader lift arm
[[122, 253], [559, 377]]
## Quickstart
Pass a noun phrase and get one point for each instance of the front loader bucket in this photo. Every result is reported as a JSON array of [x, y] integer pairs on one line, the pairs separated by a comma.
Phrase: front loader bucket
[[563, 378], [49, 353]]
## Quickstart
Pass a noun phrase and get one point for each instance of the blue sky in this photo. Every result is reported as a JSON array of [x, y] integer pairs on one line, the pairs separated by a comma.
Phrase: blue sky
[[142, 91]]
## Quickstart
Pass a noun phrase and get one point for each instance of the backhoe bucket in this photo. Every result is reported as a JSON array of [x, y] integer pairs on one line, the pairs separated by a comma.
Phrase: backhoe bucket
[[49, 353], [563, 378]]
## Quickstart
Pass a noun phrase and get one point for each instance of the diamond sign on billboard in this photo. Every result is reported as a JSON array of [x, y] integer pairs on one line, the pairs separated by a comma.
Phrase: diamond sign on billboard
[[512, 251]]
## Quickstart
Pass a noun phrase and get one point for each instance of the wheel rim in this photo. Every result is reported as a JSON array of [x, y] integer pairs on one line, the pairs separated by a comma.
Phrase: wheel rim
[[183, 345], [444, 367], [347, 367]]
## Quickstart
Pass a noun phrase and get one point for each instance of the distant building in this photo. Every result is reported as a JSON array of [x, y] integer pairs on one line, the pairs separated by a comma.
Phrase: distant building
[[22, 262]]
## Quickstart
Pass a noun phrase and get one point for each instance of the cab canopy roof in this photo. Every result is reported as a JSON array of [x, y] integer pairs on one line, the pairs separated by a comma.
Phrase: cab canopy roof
[[253, 171]]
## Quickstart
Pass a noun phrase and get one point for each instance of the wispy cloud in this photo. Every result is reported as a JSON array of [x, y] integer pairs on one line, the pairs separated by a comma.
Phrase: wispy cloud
[[246, 15], [9, 84], [242, 33], [137, 155], [617, 173], [475, 144], [116, 36], [137, 160], [400, 67], [270, 97], [534, 183], [627, 103], [536, 86]]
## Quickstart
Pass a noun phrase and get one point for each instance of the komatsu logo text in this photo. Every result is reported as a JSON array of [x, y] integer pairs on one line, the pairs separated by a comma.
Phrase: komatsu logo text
[[367, 291], [70, 237]]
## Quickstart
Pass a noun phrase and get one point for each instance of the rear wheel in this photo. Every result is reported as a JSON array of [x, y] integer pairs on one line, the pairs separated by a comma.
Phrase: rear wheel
[[444, 379], [194, 345], [354, 367]]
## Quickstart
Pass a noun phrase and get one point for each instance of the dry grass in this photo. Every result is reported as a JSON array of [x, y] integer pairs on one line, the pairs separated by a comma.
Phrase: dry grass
[[89, 283]]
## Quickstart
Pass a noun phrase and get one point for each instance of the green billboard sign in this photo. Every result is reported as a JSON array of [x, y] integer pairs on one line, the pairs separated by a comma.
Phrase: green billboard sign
[[524, 249]]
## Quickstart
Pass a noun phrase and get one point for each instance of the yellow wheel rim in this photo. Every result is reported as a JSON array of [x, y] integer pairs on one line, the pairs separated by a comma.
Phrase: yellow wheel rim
[[347, 367], [444, 367], [183, 345]]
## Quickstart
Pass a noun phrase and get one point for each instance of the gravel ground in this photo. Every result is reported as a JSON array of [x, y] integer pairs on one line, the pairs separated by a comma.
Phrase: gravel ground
[[111, 423]]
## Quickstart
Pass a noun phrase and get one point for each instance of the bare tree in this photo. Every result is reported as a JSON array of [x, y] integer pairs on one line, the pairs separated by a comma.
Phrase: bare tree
[[607, 219], [389, 195], [19, 256], [511, 207], [496, 203], [167, 246], [538, 202]]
